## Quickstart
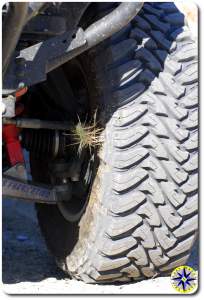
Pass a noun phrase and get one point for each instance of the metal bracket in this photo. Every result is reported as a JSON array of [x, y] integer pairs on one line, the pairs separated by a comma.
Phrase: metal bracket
[[18, 171], [34, 62]]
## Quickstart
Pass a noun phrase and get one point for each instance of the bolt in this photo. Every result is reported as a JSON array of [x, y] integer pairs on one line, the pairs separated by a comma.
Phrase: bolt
[[64, 180], [21, 85]]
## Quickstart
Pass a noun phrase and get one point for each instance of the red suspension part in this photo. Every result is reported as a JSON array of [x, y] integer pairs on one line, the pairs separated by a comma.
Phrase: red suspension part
[[12, 144], [20, 93], [10, 135]]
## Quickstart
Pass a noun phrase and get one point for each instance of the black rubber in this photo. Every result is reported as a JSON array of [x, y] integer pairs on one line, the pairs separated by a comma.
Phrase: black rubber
[[142, 217]]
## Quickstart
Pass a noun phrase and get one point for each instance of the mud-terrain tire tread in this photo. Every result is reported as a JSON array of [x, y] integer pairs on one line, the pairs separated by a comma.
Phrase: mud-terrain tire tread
[[146, 187]]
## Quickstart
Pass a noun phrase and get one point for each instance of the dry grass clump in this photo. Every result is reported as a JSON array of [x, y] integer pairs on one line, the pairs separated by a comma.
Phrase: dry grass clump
[[86, 135]]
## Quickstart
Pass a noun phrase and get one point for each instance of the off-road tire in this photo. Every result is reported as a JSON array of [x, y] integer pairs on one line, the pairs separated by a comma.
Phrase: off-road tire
[[142, 216]]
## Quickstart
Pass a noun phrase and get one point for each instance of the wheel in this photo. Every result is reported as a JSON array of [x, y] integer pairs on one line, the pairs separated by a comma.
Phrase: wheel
[[141, 217]]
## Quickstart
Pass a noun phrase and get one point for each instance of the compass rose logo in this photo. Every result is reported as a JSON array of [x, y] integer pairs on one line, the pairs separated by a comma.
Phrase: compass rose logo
[[184, 279]]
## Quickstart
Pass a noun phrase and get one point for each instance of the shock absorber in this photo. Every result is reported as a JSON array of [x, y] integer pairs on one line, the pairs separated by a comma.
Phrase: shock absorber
[[44, 142], [52, 145]]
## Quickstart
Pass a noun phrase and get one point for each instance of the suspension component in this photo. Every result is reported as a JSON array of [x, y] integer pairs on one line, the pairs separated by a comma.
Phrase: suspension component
[[45, 56], [12, 144], [38, 124], [15, 188], [44, 142]]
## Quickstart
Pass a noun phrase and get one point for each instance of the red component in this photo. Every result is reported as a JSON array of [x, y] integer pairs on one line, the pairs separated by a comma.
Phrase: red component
[[13, 147], [10, 135], [20, 93]]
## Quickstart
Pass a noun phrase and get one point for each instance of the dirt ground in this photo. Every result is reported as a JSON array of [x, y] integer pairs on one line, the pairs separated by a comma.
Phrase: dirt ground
[[28, 268]]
